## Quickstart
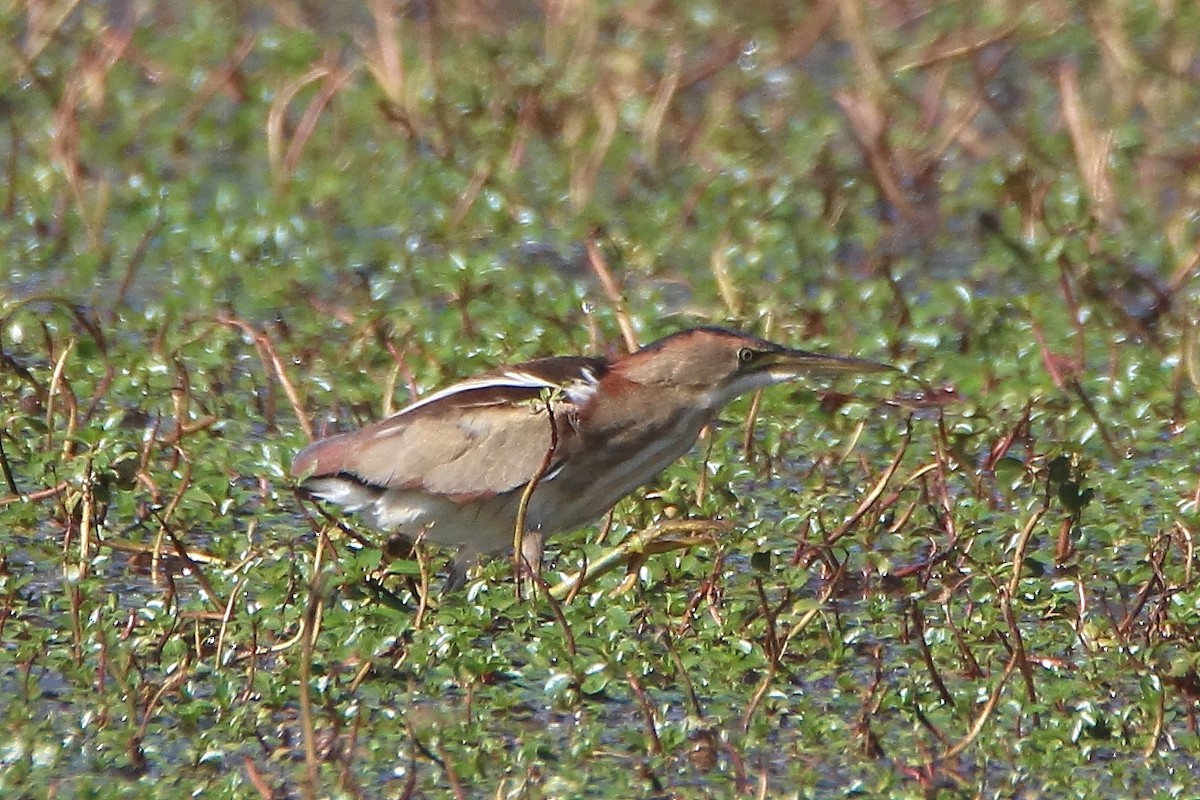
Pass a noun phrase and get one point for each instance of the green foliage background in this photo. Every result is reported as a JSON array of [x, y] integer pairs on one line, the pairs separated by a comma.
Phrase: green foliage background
[[223, 222]]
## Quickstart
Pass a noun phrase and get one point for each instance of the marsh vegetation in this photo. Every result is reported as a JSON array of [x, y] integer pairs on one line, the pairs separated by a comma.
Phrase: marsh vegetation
[[230, 227]]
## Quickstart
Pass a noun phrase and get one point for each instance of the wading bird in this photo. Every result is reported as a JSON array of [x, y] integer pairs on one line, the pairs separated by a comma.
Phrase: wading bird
[[452, 467]]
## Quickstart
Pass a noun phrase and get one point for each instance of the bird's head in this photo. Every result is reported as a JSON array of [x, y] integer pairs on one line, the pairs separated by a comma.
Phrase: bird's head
[[717, 365]]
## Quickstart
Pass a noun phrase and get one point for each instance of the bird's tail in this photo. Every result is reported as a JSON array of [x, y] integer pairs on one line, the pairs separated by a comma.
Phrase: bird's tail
[[343, 490]]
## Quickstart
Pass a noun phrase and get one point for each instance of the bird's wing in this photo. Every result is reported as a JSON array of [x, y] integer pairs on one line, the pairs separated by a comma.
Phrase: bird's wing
[[474, 439]]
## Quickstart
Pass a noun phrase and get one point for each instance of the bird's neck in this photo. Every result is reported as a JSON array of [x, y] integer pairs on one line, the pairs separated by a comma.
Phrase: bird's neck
[[635, 394]]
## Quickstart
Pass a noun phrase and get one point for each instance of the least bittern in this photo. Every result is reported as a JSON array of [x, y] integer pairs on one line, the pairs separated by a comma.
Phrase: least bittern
[[452, 468]]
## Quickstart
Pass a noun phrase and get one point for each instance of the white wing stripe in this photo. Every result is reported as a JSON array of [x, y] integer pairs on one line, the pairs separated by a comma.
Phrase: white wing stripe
[[510, 380], [580, 393]]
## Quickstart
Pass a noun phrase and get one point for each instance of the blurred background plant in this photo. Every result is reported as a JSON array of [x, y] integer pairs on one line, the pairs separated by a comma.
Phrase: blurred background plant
[[228, 227]]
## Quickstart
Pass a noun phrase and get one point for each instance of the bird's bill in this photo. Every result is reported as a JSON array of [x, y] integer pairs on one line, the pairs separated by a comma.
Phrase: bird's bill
[[796, 363]]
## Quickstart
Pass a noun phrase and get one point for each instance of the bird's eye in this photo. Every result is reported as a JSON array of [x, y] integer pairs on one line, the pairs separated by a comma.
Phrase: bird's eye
[[746, 355]]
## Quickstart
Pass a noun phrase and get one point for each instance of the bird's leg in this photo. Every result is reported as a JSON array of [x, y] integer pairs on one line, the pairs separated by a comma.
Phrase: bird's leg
[[533, 544], [458, 572], [397, 547]]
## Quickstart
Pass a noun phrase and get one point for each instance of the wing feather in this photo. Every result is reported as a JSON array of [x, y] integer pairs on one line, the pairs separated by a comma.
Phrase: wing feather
[[481, 437]]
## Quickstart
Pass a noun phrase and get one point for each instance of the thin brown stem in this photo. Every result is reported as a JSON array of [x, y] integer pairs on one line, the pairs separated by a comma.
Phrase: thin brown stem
[[519, 560], [600, 267]]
